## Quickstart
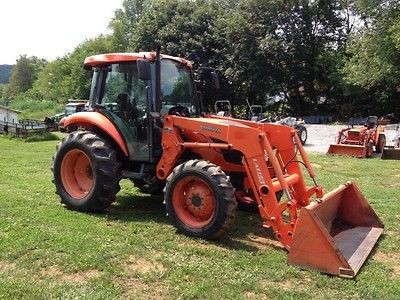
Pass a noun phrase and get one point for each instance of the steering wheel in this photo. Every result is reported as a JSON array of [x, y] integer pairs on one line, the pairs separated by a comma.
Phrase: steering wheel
[[179, 110]]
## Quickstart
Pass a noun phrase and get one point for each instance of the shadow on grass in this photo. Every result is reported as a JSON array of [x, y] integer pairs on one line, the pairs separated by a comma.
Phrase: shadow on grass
[[131, 208], [246, 234]]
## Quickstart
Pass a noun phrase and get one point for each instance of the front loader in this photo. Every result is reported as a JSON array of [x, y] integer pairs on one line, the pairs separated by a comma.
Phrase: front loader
[[360, 141], [147, 127]]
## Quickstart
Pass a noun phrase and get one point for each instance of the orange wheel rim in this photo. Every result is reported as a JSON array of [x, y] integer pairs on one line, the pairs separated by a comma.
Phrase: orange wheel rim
[[77, 174], [194, 202]]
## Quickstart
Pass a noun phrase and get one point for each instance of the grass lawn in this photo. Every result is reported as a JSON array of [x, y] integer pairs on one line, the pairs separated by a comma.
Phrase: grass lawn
[[132, 251]]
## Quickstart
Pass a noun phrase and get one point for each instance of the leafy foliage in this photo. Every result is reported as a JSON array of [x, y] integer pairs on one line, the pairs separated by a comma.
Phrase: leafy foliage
[[375, 55], [25, 73], [340, 57], [64, 78]]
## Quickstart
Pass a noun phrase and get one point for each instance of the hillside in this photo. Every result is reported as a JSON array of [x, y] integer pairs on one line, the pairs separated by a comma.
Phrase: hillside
[[5, 72]]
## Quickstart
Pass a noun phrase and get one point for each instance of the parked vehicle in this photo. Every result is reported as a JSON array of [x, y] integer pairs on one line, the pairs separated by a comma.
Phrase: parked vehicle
[[159, 139], [298, 126], [360, 141], [72, 107]]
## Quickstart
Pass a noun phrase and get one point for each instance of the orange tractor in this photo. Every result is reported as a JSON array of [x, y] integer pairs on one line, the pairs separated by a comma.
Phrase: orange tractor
[[146, 126], [360, 141]]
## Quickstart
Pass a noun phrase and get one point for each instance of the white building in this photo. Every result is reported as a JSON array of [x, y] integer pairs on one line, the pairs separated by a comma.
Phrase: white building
[[8, 115]]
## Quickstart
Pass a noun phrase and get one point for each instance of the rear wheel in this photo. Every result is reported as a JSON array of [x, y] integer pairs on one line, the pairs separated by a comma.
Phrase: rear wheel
[[381, 143], [199, 199], [86, 172]]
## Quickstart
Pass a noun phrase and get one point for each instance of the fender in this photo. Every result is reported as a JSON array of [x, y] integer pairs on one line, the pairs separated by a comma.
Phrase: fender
[[95, 119]]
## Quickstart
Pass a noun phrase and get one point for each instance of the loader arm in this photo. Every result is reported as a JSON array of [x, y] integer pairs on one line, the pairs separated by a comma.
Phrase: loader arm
[[264, 147], [333, 234]]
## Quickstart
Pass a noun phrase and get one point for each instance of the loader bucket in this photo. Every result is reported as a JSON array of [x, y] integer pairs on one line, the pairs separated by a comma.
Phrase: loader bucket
[[390, 153], [351, 150], [336, 235]]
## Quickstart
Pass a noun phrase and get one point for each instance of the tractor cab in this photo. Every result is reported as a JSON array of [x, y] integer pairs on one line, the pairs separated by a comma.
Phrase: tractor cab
[[132, 101]]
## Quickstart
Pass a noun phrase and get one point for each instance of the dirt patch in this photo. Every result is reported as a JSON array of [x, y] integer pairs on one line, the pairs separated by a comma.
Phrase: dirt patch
[[6, 266], [262, 243], [134, 288], [285, 285], [289, 284], [252, 295], [54, 271], [142, 266], [390, 259]]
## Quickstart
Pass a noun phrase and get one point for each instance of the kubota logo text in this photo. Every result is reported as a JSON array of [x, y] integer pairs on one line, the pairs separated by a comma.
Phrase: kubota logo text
[[210, 128]]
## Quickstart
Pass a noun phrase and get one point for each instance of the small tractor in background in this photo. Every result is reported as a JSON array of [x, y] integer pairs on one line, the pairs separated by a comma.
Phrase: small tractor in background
[[256, 114], [147, 126], [72, 107], [360, 141], [223, 108], [298, 126]]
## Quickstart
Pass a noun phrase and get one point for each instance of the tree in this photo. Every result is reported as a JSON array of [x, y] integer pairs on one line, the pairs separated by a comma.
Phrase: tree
[[65, 78], [125, 21], [274, 47], [181, 27], [25, 73], [374, 56]]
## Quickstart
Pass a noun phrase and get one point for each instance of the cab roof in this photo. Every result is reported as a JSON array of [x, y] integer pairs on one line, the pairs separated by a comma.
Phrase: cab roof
[[110, 58]]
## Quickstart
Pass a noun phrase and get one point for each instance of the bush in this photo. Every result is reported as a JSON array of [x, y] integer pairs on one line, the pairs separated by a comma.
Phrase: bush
[[47, 136], [36, 109]]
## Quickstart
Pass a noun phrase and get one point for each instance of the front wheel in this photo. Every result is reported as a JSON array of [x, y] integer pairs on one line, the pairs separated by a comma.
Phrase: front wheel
[[381, 143], [369, 150], [199, 199], [86, 172]]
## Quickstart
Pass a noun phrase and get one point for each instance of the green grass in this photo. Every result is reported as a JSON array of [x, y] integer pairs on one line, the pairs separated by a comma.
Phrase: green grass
[[132, 251]]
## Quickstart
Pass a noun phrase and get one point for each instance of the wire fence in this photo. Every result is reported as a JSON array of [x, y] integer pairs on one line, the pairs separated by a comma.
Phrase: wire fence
[[23, 128]]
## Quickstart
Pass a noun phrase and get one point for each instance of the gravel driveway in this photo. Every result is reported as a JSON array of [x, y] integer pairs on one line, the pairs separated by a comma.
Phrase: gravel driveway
[[321, 136]]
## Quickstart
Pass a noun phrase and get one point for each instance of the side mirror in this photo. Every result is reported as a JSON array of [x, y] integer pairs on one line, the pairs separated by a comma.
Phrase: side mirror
[[144, 71], [215, 80]]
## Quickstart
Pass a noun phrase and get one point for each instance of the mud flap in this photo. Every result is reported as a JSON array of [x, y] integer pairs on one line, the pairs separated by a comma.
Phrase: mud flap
[[351, 150], [390, 153], [336, 235]]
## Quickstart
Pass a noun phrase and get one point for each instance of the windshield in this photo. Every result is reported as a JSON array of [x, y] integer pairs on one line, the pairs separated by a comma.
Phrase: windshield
[[124, 91], [123, 88], [177, 85]]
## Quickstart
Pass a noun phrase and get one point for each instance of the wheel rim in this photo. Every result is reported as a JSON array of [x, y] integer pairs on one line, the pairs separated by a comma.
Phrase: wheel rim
[[194, 202], [77, 174]]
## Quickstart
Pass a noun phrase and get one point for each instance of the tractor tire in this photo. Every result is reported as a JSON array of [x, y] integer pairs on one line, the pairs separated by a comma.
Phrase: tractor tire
[[370, 150], [86, 172], [381, 143], [302, 133], [200, 199]]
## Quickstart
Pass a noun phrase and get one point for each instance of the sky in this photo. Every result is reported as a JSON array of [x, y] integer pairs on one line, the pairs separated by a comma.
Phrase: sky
[[50, 28]]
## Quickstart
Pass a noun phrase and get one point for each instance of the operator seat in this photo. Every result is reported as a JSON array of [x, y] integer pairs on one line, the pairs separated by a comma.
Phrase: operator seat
[[371, 122]]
